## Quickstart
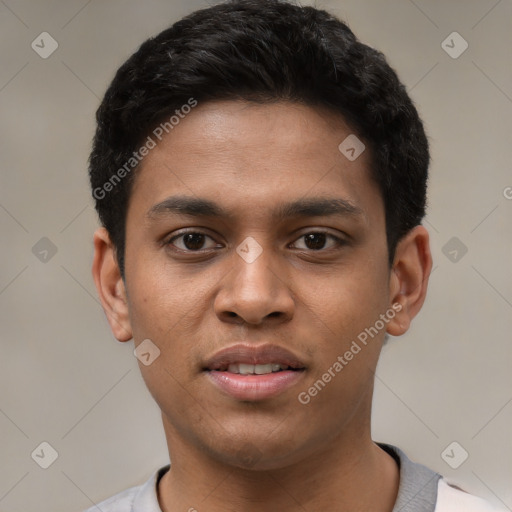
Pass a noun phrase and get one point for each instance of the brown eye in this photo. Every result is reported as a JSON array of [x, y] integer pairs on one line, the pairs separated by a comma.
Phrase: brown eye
[[316, 241], [191, 241]]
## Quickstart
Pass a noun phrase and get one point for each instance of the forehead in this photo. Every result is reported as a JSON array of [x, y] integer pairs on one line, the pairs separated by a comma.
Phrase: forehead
[[248, 156]]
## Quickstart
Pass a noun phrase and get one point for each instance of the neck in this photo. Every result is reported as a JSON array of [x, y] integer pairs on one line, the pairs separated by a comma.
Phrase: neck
[[353, 473]]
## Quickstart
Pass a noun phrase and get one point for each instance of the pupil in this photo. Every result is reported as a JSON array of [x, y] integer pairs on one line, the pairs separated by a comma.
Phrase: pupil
[[315, 240], [193, 240]]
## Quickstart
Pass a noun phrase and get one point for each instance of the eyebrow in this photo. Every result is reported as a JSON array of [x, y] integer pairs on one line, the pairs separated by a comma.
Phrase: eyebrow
[[311, 207]]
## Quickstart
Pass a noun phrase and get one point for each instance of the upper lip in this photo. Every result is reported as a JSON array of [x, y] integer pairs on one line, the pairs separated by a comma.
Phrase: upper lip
[[252, 354]]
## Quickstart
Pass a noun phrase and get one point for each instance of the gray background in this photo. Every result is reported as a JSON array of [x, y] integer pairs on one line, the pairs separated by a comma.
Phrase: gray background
[[63, 377]]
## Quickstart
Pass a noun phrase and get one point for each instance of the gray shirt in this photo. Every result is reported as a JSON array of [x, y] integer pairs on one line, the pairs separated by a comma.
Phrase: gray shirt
[[417, 492]]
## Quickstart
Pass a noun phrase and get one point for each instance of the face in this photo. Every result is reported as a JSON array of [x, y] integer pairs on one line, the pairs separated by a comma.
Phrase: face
[[253, 245]]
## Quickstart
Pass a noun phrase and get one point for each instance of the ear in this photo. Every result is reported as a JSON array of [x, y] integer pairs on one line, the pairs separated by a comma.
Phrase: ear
[[110, 286], [409, 279]]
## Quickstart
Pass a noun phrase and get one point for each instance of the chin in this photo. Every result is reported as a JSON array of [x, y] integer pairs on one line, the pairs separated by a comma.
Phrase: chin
[[254, 455]]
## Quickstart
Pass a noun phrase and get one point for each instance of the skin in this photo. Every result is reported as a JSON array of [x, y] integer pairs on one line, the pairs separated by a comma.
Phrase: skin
[[274, 454]]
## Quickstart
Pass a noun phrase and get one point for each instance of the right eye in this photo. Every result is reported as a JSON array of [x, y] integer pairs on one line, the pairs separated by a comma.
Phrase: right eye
[[189, 241]]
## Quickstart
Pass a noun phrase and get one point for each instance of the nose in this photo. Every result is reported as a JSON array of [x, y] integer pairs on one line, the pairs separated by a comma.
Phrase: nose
[[255, 292]]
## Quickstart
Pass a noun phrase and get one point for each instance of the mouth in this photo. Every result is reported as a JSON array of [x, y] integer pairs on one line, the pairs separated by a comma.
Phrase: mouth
[[251, 373], [256, 369]]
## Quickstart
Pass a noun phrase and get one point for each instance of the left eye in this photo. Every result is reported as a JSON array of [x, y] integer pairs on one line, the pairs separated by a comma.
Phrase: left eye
[[191, 241], [316, 241]]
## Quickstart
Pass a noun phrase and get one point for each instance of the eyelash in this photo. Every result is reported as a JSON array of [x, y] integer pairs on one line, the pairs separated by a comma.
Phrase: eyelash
[[339, 242]]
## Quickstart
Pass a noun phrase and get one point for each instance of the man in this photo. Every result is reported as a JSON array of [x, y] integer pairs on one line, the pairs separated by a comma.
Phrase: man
[[261, 178]]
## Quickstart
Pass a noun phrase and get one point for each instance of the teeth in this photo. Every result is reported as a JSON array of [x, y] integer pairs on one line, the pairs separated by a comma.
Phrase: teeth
[[262, 369], [246, 369], [256, 369], [233, 368]]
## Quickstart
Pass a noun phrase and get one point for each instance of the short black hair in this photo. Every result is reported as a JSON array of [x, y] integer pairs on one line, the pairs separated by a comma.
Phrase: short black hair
[[261, 51]]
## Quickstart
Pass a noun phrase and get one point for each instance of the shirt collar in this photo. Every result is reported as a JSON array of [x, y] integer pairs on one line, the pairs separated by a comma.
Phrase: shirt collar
[[146, 499], [417, 491]]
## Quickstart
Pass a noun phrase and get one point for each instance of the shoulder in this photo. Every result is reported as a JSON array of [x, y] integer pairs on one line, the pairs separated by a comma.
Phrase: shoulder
[[426, 490], [140, 498], [121, 502], [452, 499]]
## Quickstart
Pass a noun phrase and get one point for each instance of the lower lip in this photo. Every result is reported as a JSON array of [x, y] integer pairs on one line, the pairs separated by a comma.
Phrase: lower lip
[[254, 387]]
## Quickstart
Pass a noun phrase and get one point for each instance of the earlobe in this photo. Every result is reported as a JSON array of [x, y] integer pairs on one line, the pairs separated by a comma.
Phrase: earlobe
[[110, 286], [409, 278]]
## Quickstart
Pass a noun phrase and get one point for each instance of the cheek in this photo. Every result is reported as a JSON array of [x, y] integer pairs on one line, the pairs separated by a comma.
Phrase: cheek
[[159, 302], [167, 307], [347, 350], [164, 310], [347, 301], [347, 306]]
